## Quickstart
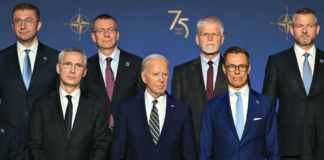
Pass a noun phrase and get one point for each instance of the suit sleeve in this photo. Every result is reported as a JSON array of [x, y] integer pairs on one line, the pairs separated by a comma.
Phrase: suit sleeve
[[35, 134], [188, 138], [175, 85], [120, 133], [14, 142], [270, 87], [206, 135], [271, 135], [100, 137], [140, 85], [308, 136]]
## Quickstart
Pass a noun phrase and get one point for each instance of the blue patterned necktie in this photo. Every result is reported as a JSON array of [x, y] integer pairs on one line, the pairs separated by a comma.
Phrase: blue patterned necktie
[[27, 72], [307, 73], [154, 123], [239, 115]]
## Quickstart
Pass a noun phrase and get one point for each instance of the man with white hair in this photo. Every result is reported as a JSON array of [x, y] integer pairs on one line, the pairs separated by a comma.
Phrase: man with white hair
[[153, 124], [197, 81]]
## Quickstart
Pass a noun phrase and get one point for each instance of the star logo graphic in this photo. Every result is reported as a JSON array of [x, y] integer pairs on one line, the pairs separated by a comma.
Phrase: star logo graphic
[[79, 24], [284, 23]]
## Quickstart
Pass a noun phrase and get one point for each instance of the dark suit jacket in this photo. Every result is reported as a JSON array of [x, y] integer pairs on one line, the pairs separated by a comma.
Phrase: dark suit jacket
[[16, 99], [188, 86], [219, 139], [283, 80], [47, 137], [313, 129], [132, 139], [9, 139]]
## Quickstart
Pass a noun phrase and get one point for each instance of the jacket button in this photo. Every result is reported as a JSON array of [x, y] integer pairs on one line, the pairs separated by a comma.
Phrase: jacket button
[[26, 113], [240, 150], [156, 150]]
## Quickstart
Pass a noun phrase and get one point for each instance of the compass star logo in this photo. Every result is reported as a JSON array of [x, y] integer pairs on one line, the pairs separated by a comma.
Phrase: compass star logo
[[79, 24], [284, 23]]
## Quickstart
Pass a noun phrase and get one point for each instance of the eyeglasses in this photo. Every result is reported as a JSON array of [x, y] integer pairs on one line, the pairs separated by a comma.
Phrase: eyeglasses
[[103, 31], [69, 65], [18, 22], [241, 68]]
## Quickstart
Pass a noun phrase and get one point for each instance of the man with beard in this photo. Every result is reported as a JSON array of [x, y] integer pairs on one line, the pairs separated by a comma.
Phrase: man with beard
[[239, 123], [27, 70], [294, 76], [197, 81]]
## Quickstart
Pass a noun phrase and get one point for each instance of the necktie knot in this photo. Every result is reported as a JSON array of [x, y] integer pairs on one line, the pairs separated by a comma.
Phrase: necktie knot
[[210, 63], [109, 59], [238, 94], [69, 97], [155, 102], [306, 55], [27, 51]]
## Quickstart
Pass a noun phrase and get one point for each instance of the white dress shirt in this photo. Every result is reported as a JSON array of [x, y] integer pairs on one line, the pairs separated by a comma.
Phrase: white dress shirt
[[113, 64], [75, 102], [245, 100], [300, 58], [205, 66], [32, 55], [161, 107]]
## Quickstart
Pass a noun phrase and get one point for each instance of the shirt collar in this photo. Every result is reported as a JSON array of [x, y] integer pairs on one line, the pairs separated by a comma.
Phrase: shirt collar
[[114, 56], [244, 91], [204, 61], [74, 94], [21, 48], [150, 99], [300, 52]]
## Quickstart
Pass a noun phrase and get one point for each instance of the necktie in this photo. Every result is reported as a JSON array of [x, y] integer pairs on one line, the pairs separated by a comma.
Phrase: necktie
[[210, 76], [27, 72], [307, 73], [110, 83], [68, 116], [239, 115], [154, 123]]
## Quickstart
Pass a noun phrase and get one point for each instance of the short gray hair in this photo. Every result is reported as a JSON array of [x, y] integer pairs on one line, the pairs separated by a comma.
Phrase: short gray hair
[[73, 49], [153, 57], [210, 20], [304, 11]]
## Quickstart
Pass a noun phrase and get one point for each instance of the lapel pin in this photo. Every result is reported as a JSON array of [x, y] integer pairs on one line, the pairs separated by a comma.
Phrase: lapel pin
[[127, 64], [2, 131], [172, 105], [257, 102], [321, 61], [45, 58]]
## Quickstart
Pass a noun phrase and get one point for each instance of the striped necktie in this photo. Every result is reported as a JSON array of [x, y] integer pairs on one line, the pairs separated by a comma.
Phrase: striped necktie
[[154, 123]]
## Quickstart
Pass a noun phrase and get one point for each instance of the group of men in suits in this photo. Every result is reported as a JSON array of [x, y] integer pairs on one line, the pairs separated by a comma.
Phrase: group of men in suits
[[212, 108]]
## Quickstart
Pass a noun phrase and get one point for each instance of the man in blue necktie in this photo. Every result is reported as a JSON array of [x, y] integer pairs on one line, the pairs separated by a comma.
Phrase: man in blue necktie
[[239, 123]]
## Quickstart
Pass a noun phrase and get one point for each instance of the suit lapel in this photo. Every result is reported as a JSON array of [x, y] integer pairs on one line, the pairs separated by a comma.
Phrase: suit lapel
[[141, 111], [122, 71], [14, 66], [168, 115], [227, 113], [96, 74], [294, 69], [39, 65], [317, 69], [253, 108], [55, 105], [221, 78], [198, 75], [82, 111]]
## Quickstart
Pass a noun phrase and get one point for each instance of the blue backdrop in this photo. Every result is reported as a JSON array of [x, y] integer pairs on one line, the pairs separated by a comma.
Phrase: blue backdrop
[[259, 26]]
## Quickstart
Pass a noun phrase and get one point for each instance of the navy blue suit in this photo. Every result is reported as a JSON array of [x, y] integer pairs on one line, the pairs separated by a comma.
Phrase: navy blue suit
[[132, 139], [218, 136]]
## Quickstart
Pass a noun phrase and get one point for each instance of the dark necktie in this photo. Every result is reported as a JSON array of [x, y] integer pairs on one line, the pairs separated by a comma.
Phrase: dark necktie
[[154, 123], [27, 72], [110, 83], [210, 76], [307, 73], [68, 116]]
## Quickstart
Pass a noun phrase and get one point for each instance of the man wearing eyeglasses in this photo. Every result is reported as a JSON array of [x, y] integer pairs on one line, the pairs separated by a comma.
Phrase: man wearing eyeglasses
[[27, 70], [239, 123], [69, 124], [113, 75]]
